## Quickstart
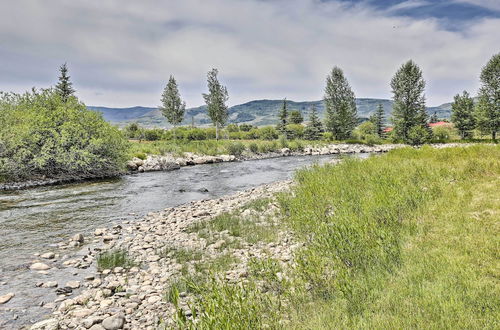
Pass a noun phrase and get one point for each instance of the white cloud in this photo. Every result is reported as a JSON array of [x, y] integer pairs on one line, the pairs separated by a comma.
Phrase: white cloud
[[121, 53], [489, 4]]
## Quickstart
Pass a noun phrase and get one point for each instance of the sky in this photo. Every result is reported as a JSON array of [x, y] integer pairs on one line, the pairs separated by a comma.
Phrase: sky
[[120, 53]]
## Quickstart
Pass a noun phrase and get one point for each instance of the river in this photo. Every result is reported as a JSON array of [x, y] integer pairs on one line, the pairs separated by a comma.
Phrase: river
[[35, 220]]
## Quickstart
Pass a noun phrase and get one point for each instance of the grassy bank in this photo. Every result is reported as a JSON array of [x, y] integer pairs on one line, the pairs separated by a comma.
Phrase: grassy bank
[[404, 240]]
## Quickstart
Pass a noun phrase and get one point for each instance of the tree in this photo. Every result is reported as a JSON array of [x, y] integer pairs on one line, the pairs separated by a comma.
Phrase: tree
[[64, 87], [378, 120], [173, 107], [487, 113], [462, 114], [341, 113], [434, 118], [409, 102], [296, 117], [283, 119], [216, 101], [314, 127]]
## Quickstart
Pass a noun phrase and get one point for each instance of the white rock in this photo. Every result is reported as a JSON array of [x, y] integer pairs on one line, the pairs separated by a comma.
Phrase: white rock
[[78, 238], [50, 324], [73, 284], [113, 322], [39, 266], [48, 255]]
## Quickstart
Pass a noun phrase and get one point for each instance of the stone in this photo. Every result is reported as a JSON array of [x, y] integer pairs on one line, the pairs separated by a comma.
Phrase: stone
[[154, 299], [48, 255], [50, 324], [114, 322], [78, 238], [50, 284], [5, 298], [39, 266], [73, 284], [81, 313], [97, 327]]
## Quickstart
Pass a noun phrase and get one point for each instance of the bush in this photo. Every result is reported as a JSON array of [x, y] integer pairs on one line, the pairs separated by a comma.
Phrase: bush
[[444, 133], [231, 128], [253, 147], [246, 127], [195, 134], [327, 136], [235, 148], [283, 141], [418, 135], [44, 137], [295, 131], [268, 133], [153, 134]]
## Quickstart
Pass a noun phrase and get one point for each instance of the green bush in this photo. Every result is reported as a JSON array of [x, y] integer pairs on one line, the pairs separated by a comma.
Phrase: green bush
[[418, 135], [268, 133], [235, 148], [295, 131], [253, 147], [444, 133], [195, 134], [283, 141], [44, 137], [327, 136]]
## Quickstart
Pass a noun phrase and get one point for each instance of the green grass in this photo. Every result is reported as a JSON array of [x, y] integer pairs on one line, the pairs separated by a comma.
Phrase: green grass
[[406, 240], [181, 255], [236, 226], [114, 258]]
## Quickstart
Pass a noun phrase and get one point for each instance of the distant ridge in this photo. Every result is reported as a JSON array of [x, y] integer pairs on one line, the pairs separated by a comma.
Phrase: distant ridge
[[257, 112]]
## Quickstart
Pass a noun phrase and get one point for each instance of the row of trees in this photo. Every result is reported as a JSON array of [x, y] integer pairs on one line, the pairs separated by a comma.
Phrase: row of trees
[[409, 116]]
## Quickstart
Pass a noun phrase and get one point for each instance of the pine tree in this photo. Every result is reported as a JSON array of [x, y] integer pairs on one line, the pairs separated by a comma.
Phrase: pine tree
[[434, 118], [487, 113], [173, 107], [216, 101], [462, 114], [64, 86], [296, 117], [314, 127], [409, 102], [378, 119], [283, 119], [341, 113]]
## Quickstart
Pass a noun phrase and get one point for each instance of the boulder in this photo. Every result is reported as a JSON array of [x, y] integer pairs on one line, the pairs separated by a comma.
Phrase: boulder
[[48, 255], [78, 238], [50, 324], [114, 322]]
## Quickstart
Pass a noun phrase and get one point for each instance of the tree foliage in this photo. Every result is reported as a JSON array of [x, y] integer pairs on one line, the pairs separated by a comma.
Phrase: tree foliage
[[43, 136], [409, 102], [314, 127], [216, 101], [341, 113], [64, 87], [283, 119], [487, 114], [462, 114], [378, 120], [296, 117], [173, 108]]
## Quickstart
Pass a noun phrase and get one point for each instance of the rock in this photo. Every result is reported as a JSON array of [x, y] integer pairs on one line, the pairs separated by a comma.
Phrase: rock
[[50, 284], [50, 324], [39, 266], [113, 322], [154, 299], [97, 327], [48, 255], [73, 284], [78, 238], [65, 290], [5, 298], [99, 231], [204, 190], [81, 313]]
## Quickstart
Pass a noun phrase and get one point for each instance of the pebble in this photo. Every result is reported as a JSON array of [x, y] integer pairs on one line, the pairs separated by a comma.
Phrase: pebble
[[6, 298], [113, 322], [48, 255], [39, 266], [73, 284]]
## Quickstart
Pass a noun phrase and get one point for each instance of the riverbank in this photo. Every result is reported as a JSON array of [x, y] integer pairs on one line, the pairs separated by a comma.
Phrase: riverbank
[[232, 260], [165, 248]]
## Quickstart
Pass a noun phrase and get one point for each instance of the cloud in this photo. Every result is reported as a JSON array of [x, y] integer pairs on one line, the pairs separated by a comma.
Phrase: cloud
[[121, 53], [489, 4]]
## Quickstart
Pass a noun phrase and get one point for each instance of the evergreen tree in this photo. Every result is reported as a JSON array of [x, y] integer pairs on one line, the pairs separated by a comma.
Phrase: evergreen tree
[[341, 113], [314, 127], [64, 87], [378, 119], [487, 112], [296, 117], [283, 119], [462, 114], [434, 118], [216, 101], [409, 102], [173, 107]]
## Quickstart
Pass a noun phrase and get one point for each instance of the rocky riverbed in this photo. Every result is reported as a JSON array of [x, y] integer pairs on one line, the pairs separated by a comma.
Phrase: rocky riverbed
[[164, 246]]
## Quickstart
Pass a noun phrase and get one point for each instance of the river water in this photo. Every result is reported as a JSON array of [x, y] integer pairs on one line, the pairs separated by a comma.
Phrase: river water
[[34, 220]]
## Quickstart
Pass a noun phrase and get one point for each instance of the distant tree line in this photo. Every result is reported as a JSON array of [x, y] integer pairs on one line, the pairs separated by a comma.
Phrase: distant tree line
[[409, 117]]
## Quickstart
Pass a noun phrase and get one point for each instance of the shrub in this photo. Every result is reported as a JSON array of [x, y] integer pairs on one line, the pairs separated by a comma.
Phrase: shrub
[[253, 147], [195, 134], [246, 127], [268, 133], [153, 134], [231, 128], [418, 135], [295, 131], [283, 141], [444, 133], [235, 148], [328, 136], [43, 136]]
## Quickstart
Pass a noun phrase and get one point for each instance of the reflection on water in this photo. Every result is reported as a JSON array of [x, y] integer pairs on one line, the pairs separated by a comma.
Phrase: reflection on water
[[35, 219]]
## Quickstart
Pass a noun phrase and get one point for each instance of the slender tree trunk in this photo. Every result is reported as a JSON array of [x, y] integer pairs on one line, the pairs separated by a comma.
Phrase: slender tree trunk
[[175, 138], [217, 131], [494, 135]]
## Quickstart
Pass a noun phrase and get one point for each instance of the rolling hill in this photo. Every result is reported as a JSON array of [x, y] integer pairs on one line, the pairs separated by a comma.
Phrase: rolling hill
[[258, 112]]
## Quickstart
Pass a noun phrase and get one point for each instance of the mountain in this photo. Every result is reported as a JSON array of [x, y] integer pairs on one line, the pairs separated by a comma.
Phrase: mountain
[[258, 112]]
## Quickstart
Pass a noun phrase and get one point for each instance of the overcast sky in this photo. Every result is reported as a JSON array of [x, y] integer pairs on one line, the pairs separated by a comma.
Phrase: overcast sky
[[120, 53]]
